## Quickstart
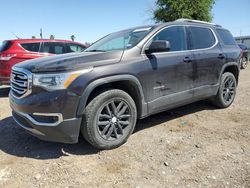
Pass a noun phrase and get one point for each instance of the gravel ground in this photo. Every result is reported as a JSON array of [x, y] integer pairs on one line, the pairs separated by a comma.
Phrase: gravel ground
[[192, 146]]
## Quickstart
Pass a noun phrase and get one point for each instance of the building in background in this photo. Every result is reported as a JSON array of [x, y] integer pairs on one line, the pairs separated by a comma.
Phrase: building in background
[[244, 40]]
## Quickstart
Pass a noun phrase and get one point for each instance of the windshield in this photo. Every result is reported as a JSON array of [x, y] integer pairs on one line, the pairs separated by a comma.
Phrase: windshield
[[119, 41]]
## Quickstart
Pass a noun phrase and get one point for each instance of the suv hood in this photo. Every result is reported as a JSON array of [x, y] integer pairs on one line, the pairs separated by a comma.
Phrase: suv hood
[[71, 61]]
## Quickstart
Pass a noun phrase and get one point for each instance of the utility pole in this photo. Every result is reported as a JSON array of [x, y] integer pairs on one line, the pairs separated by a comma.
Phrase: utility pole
[[241, 36], [41, 33]]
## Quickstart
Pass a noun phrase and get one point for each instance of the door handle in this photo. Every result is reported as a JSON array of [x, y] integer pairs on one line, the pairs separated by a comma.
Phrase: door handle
[[221, 56], [187, 60]]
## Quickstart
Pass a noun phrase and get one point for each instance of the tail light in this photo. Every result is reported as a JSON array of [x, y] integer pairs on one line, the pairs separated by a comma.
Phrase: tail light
[[6, 57]]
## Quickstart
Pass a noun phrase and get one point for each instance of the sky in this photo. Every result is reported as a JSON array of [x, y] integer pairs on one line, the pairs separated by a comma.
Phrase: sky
[[89, 20]]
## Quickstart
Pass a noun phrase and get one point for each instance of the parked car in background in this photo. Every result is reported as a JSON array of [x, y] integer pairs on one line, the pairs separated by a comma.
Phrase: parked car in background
[[16, 51], [244, 56]]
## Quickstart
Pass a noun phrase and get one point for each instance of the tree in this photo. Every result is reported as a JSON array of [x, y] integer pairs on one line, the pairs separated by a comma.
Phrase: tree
[[52, 37], [73, 37], [170, 10], [87, 44], [33, 37]]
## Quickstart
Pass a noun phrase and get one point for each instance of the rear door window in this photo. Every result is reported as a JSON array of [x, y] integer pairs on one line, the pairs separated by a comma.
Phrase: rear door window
[[31, 47], [53, 48], [201, 38], [5, 45], [226, 37]]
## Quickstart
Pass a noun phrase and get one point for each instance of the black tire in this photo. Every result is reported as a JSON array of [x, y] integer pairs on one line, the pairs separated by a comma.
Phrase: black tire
[[227, 91], [243, 63], [109, 119]]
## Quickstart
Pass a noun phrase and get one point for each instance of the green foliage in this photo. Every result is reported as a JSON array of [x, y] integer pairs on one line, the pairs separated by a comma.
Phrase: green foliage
[[52, 37], [170, 10], [72, 37]]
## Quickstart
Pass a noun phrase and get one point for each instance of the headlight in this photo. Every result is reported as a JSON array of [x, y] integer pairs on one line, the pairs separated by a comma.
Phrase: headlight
[[57, 81]]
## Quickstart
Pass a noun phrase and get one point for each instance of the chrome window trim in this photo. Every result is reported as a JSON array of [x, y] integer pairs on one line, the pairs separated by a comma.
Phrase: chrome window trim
[[146, 43]]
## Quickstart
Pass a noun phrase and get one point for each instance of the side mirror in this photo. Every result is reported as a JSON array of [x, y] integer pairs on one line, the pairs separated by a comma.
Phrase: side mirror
[[158, 46]]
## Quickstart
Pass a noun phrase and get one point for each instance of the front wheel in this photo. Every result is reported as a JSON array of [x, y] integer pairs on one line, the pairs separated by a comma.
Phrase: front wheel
[[227, 91], [109, 119]]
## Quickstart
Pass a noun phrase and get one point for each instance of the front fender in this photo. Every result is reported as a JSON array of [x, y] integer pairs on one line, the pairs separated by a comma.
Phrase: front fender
[[106, 80]]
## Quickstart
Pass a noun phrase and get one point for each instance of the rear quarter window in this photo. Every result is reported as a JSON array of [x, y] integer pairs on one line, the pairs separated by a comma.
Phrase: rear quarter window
[[226, 37], [5, 45], [32, 47], [201, 37]]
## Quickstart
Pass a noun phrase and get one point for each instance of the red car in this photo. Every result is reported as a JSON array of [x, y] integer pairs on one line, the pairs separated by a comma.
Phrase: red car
[[16, 51]]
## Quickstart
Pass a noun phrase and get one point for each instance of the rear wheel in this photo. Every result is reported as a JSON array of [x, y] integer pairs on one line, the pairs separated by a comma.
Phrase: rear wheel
[[227, 91], [109, 119]]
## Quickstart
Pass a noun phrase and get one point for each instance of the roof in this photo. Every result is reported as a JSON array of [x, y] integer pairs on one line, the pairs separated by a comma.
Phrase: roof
[[181, 21], [44, 40], [196, 21]]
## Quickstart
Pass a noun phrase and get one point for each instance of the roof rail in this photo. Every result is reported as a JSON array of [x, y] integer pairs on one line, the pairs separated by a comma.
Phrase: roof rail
[[196, 21]]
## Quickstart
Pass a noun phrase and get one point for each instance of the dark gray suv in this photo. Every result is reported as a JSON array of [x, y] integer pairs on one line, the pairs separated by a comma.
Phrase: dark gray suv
[[124, 76]]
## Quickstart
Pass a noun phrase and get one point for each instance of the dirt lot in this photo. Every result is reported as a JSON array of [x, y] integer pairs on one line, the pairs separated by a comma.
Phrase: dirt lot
[[193, 146]]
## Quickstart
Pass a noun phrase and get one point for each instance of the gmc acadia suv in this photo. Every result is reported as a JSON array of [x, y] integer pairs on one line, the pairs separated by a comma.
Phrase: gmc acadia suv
[[124, 76]]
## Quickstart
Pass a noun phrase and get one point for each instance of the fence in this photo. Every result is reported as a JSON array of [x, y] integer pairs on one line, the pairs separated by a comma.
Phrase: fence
[[244, 40]]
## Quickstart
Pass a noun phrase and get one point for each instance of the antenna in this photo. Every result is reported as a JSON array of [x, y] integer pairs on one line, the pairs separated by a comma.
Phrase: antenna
[[15, 35]]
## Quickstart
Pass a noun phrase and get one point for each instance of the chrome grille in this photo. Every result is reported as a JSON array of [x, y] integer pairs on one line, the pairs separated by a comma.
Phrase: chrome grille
[[20, 83]]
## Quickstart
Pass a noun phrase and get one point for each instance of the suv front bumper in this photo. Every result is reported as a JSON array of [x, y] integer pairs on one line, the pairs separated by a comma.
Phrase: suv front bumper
[[66, 131], [46, 126]]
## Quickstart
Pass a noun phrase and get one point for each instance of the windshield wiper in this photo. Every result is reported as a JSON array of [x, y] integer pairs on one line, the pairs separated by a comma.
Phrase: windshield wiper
[[95, 51]]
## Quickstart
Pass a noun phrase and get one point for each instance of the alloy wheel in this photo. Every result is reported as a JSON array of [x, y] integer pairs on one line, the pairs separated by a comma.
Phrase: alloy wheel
[[229, 90], [114, 119]]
